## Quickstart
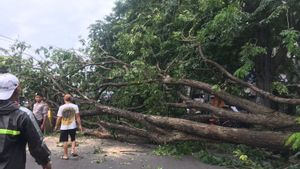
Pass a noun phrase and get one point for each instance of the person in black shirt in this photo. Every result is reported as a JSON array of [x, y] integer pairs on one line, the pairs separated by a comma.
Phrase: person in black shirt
[[18, 128]]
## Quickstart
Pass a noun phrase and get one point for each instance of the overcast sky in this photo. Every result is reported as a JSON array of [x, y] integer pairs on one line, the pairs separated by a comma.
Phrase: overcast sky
[[50, 22]]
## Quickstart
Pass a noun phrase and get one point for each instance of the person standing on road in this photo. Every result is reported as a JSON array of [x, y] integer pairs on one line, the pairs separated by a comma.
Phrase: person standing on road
[[17, 129], [67, 116], [40, 110]]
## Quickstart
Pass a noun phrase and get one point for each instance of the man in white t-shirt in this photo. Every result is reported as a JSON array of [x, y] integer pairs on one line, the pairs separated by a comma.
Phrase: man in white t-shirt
[[67, 116]]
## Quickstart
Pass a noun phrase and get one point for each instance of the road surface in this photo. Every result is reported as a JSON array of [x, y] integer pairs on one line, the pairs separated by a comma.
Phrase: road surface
[[111, 154]]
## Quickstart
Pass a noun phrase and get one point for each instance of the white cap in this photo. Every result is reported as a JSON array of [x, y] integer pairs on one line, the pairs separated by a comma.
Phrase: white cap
[[8, 84]]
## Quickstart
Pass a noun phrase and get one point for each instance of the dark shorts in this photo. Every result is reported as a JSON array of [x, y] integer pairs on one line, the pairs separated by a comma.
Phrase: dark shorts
[[64, 135]]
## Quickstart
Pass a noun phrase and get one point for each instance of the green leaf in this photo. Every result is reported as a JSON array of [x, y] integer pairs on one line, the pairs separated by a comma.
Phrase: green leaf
[[294, 141], [290, 40], [216, 88], [280, 88], [248, 53]]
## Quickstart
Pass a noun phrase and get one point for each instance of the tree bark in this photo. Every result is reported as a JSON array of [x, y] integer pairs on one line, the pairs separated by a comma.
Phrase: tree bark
[[270, 120], [263, 65], [98, 134], [249, 106], [263, 78], [264, 139], [203, 118], [170, 136]]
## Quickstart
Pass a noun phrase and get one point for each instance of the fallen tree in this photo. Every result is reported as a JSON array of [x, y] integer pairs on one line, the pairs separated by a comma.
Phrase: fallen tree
[[249, 106], [176, 129], [269, 121], [270, 50], [161, 129]]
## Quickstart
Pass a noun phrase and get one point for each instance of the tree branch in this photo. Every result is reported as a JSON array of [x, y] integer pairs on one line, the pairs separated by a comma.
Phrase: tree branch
[[273, 121], [253, 87], [126, 83]]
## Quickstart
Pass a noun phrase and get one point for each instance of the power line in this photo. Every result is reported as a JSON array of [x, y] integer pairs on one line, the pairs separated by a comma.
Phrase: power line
[[8, 39], [4, 39], [24, 53]]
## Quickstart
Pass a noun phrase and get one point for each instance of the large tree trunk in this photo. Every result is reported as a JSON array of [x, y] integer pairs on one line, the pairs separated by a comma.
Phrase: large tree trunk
[[233, 100], [263, 66], [153, 136], [249, 106], [269, 121], [170, 136], [167, 129], [264, 139], [263, 78], [179, 129]]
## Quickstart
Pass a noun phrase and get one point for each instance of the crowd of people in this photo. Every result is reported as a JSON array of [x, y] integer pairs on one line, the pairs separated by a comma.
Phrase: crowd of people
[[20, 126]]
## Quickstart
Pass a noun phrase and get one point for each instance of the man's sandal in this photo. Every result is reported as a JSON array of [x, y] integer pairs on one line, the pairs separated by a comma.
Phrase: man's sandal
[[64, 158], [74, 154]]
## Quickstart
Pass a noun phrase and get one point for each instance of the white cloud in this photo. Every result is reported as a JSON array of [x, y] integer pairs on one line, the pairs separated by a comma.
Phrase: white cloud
[[51, 22]]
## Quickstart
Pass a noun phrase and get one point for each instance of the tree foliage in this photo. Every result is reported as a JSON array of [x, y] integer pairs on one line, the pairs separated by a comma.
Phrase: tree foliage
[[142, 42]]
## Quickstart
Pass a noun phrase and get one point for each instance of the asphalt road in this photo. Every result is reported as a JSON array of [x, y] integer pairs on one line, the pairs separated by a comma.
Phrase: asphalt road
[[110, 154], [140, 162]]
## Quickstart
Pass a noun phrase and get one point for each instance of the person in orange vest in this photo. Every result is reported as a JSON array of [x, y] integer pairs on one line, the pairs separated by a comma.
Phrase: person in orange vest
[[217, 102]]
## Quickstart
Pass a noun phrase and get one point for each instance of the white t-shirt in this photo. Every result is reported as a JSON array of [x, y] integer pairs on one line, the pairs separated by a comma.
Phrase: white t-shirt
[[68, 113]]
